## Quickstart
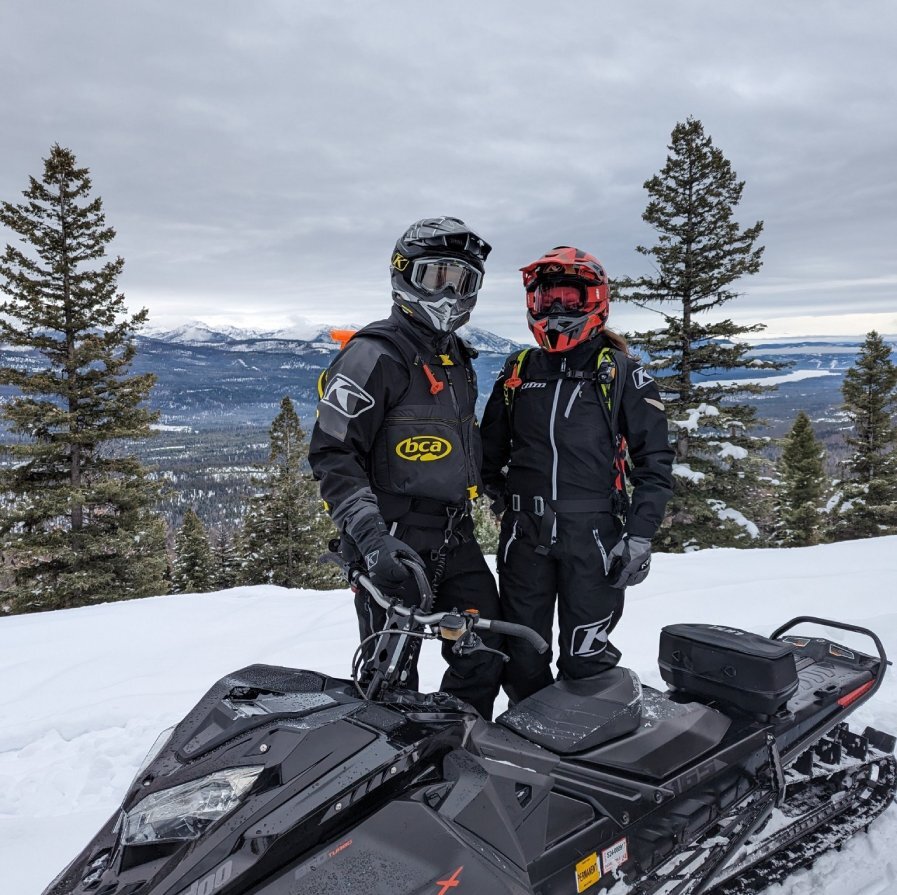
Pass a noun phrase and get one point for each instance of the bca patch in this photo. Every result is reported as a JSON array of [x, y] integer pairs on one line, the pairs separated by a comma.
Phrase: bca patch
[[641, 377], [347, 397]]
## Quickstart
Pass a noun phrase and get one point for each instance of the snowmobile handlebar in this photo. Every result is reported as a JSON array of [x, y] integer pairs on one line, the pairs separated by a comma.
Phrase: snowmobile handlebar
[[434, 618], [513, 630]]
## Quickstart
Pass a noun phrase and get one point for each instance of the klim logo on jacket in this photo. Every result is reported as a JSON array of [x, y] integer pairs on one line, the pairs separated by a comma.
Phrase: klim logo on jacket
[[347, 397], [424, 448]]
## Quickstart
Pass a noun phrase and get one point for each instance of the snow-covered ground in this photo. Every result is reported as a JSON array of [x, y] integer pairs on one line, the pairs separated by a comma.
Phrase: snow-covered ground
[[85, 691]]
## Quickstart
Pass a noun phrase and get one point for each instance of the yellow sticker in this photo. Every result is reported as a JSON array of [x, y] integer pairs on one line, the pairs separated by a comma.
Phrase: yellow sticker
[[587, 872], [399, 262], [424, 448]]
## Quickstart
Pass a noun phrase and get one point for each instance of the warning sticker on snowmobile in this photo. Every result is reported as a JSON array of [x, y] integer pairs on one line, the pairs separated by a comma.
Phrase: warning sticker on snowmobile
[[588, 872], [615, 856]]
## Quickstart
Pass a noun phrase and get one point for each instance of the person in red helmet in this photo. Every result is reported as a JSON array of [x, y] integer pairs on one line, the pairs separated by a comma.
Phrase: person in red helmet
[[564, 424]]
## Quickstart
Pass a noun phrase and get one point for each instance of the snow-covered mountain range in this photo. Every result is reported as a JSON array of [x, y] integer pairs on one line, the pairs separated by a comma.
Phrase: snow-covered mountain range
[[300, 335]]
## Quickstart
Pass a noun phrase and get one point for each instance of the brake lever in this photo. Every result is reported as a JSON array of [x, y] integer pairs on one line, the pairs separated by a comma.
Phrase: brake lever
[[472, 643]]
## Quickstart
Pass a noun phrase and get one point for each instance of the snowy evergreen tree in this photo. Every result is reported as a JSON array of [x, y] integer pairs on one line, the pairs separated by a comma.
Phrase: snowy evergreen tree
[[485, 526], [286, 528], [226, 560], [194, 566], [869, 496], [801, 472], [76, 510], [700, 253]]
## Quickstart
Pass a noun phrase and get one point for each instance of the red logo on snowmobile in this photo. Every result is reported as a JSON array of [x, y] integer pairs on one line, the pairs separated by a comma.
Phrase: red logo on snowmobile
[[449, 883]]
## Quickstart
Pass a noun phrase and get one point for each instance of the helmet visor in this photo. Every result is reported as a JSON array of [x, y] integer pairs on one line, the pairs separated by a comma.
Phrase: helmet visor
[[433, 275], [569, 297]]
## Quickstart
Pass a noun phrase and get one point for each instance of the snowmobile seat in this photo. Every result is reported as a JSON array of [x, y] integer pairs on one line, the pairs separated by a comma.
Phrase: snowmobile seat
[[576, 715], [672, 735]]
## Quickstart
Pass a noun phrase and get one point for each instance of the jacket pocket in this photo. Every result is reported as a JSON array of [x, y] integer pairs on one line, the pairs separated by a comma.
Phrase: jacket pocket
[[421, 458]]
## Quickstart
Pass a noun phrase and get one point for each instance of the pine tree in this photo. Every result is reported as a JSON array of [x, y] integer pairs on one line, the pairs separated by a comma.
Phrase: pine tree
[[701, 251], [76, 510], [869, 497], [286, 529], [226, 562], [485, 526], [803, 484], [194, 567]]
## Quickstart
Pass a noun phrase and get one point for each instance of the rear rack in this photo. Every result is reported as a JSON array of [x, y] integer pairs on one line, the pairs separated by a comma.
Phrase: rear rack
[[845, 708]]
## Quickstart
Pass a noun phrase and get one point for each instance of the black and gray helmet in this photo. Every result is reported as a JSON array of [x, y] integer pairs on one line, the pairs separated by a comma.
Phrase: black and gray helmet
[[437, 270]]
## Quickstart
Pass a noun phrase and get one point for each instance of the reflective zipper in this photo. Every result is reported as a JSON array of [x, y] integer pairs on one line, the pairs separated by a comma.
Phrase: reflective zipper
[[573, 397], [551, 422], [601, 548], [510, 541]]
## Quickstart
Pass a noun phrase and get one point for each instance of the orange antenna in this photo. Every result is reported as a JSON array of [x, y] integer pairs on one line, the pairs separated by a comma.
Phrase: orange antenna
[[342, 336]]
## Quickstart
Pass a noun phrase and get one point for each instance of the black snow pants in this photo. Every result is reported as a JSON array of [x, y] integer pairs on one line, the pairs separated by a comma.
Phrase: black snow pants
[[466, 583], [570, 571]]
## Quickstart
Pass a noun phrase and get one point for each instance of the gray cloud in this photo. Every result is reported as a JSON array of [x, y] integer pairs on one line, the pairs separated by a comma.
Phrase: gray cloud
[[258, 160]]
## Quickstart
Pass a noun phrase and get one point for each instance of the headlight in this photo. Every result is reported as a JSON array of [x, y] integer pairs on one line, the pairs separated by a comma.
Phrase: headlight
[[185, 811]]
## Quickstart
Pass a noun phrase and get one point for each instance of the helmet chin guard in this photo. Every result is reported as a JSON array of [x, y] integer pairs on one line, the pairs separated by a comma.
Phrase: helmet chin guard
[[437, 270]]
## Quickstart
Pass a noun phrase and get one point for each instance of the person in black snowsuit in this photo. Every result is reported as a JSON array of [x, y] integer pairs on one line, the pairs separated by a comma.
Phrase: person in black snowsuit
[[555, 434], [397, 450]]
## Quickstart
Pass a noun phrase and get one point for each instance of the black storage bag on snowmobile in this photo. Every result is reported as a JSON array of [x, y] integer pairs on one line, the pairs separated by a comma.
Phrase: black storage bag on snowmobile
[[750, 672]]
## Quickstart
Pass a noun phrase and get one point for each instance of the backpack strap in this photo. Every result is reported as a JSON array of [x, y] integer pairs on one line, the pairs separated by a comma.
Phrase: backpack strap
[[611, 381], [512, 382]]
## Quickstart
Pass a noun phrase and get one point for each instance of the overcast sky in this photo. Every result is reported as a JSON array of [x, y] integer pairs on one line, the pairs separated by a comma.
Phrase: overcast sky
[[258, 160]]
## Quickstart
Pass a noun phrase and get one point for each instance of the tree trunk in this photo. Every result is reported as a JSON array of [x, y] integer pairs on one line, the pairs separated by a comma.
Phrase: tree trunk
[[77, 514]]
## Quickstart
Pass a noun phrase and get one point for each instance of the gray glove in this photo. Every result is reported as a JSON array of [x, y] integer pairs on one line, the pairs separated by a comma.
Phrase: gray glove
[[629, 562]]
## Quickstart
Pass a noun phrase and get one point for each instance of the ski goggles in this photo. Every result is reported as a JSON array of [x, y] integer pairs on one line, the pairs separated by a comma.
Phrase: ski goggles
[[434, 275], [574, 297]]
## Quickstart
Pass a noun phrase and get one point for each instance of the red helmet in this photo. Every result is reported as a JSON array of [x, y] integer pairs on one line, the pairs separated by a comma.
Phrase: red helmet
[[566, 298]]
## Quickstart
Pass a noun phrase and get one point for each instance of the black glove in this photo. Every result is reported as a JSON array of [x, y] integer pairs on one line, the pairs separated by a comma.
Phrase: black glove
[[380, 551], [496, 494], [629, 562]]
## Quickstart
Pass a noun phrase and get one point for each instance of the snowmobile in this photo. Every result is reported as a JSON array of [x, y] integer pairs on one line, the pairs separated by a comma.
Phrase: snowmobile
[[290, 782]]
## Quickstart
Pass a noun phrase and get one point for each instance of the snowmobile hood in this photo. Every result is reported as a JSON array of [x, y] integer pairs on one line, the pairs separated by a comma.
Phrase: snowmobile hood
[[308, 755]]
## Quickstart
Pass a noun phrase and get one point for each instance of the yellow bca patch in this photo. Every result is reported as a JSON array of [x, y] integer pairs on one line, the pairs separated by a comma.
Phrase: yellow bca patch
[[424, 448]]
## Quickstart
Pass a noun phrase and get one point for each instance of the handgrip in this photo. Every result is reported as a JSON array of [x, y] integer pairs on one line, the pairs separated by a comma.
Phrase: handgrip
[[513, 630]]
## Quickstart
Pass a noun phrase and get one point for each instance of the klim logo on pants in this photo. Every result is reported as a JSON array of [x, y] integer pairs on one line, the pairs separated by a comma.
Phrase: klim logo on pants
[[590, 639]]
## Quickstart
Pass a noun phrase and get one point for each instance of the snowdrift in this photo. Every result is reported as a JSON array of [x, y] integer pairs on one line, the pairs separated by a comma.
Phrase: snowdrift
[[86, 691]]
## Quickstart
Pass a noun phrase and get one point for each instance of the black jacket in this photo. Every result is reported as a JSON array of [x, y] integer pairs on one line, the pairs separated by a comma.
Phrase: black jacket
[[396, 424], [556, 441]]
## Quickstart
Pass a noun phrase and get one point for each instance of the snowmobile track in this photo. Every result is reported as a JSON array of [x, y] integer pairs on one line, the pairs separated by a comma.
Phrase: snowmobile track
[[830, 806], [797, 846]]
